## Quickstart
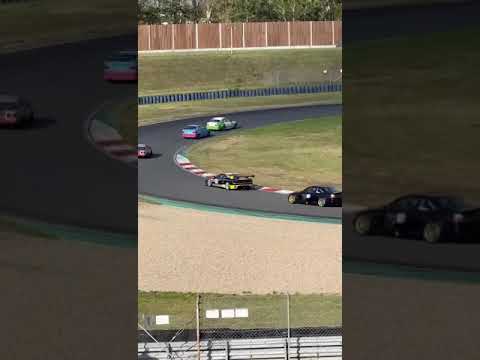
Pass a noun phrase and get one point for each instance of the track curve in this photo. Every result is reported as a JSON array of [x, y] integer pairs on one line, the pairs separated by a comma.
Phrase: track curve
[[161, 177], [51, 171]]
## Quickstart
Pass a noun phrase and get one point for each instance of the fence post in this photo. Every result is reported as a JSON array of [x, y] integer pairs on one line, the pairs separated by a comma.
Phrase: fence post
[[243, 34], [196, 36], [220, 33], [173, 36], [288, 326], [289, 36], [311, 33], [333, 33], [227, 351], [266, 34], [197, 308], [231, 39], [149, 41]]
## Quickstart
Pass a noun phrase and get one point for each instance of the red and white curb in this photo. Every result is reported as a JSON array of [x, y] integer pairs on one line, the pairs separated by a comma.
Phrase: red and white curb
[[109, 141], [186, 165]]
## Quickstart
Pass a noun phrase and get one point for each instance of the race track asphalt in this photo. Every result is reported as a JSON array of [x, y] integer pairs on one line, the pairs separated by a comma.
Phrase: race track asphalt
[[161, 177], [50, 171], [409, 252]]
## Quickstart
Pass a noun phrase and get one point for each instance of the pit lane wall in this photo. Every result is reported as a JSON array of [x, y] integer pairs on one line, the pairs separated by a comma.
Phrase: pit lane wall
[[234, 93]]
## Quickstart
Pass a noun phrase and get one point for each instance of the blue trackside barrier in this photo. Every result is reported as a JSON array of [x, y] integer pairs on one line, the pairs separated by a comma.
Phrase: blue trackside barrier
[[230, 93]]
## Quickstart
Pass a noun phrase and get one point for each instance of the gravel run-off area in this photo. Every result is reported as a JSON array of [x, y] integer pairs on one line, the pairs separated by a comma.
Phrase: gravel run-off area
[[59, 295], [395, 318], [190, 250]]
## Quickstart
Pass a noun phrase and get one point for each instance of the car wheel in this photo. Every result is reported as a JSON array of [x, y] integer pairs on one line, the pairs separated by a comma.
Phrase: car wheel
[[321, 202], [363, 224], [396, 232], [292, 199], [432, 232]]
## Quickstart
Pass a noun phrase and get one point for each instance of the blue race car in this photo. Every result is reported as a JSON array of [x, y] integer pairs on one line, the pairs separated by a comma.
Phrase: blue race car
[[195, 132]]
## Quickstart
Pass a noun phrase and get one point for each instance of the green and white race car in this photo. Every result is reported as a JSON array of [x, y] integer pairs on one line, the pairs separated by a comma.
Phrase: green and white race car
[[221, 123]]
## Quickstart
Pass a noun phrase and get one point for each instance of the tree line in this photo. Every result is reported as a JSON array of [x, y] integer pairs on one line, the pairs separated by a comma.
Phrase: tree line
[[225, 11]]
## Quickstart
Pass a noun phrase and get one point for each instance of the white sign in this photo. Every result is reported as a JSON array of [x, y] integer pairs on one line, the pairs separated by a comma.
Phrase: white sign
[[162, 320], [241, 313], [228, 313], [212, 314]]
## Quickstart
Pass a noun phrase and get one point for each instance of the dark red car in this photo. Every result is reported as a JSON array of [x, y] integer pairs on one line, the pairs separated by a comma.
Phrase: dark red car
[[14, 111], [144, 151]]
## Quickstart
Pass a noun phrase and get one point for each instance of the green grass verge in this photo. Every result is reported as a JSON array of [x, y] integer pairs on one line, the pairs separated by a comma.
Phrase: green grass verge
[[287, 155], [428, 103], [122, 116], [265, 311], [9, 226], [151, 114], [177, 72], [44, 22]]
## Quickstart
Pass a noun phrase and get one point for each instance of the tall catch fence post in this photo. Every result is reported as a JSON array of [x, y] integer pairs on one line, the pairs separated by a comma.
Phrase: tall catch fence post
[[288, 326], [231, 39], [333, 32], [289, 35], [197, 309]]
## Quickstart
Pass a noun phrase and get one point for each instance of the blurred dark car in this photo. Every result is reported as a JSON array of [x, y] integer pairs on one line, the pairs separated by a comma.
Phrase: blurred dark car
[[433, 218]]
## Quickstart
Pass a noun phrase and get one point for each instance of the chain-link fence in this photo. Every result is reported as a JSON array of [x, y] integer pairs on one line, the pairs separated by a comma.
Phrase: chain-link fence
[[205, 317]]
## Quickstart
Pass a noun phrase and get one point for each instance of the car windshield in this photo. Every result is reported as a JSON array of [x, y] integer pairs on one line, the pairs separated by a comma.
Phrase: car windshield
[[141, 147], [191, 127], [8, 105], [451, 203], [122, 57]]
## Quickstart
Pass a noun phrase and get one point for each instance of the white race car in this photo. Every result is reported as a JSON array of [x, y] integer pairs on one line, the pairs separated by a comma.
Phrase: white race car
[[221, 123]]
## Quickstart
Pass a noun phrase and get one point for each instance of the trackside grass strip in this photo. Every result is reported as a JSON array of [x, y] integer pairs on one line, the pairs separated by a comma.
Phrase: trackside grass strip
[[152, 114], [185, 72], [289, 155], [265, 311], [441, 122]]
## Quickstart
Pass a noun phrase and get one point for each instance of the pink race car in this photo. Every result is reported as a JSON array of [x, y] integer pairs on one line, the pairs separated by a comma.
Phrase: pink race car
[[122, 66]]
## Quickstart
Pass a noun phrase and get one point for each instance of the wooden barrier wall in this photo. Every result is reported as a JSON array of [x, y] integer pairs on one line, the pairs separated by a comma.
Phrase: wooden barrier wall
[[239, 35]]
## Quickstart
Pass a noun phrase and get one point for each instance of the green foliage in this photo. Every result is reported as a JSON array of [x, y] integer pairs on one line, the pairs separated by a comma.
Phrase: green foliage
[[212, 11]]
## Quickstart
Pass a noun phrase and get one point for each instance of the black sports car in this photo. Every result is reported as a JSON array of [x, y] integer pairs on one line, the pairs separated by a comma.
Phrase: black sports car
[[231, 181], [317, 195], [429, 217]]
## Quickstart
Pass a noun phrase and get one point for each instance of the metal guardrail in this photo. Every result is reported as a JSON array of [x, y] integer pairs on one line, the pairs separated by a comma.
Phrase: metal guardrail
[[224, 94], [245, 349]]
